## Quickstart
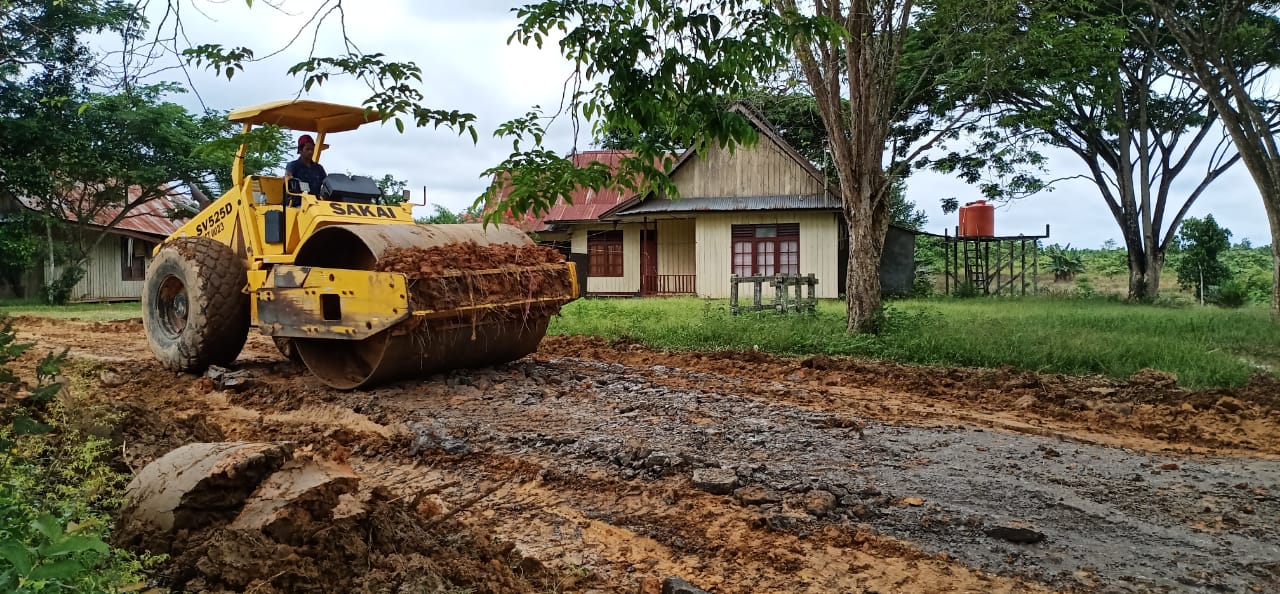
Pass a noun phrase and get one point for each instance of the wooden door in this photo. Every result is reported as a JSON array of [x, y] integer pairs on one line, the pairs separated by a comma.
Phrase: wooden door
[[648, 262]]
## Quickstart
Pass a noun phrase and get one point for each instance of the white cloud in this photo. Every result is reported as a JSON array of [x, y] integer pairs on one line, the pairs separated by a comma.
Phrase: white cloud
[[468, 65]]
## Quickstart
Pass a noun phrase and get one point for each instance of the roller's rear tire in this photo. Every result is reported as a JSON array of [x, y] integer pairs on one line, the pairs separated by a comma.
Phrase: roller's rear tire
[[195, 311]]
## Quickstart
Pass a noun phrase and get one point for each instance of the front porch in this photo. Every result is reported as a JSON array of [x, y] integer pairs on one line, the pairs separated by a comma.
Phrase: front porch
[[668, 259], [668, 284]]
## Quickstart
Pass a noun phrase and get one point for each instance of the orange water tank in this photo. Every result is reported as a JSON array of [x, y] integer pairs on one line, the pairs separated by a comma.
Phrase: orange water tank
[[977, 219]]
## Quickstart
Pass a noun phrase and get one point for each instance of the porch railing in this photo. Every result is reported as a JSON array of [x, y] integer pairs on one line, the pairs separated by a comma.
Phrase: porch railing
[[668, 284]]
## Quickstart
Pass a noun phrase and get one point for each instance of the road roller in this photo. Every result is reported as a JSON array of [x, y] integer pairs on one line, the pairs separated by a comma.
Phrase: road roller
[[342, 279]]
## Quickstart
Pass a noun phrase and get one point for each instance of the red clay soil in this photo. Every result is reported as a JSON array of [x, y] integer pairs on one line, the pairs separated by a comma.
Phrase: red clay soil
[[433, 521], [466, 274]]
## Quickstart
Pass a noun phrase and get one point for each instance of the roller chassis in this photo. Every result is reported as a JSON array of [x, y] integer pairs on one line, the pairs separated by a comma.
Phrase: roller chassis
[[307, 278]]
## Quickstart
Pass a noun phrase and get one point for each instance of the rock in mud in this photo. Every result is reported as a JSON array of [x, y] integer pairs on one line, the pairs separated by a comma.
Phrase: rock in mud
[[717, 481], [1230, 404], [819, 503], [757, 495], [303, 492], [110, 379], [675, 585], [193, 486], [1015, 534], [226, 379]]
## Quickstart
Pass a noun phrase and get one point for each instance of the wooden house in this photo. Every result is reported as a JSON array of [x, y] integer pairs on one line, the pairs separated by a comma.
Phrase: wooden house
[[117, 265], [754, 210]]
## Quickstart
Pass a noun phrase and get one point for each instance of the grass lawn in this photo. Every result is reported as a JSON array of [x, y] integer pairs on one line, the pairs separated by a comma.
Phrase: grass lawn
[[94, 312], [1206, 347]]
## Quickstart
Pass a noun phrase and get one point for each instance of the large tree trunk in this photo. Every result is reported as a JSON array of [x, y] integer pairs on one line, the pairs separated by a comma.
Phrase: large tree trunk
[[1273, 216], [867, 228]]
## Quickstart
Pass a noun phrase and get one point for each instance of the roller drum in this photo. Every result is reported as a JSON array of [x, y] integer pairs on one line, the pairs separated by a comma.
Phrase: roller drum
[[416, 347]]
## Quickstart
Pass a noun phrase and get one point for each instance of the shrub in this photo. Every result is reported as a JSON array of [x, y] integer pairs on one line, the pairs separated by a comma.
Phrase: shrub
[[1232, 294], [1084, 288], [56, 491], [58, 291], [965, 290], [923, 282]]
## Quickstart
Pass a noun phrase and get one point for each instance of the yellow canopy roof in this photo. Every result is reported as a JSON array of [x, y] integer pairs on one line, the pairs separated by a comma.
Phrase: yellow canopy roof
[[306, 116]]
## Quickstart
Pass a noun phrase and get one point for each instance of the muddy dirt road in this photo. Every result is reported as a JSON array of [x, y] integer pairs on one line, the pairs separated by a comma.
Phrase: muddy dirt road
[[610, 466]]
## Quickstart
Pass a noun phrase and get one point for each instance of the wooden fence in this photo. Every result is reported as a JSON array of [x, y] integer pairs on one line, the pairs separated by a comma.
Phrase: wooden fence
[[782, 285]]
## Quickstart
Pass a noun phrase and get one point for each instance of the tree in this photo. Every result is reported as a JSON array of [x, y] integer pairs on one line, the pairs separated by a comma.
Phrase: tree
[[102, 157], [392, 189], [1200, 242], [19, 247], [444, 216], [668, 63], [1086, 77], [1238, 89]]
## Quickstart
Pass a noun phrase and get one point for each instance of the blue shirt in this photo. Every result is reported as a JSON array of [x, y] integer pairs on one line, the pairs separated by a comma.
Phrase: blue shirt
[[313, 174]]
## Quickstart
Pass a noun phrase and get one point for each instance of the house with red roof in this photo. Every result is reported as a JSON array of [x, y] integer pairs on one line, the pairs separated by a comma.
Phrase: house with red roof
[[754, 210], [117, 265]]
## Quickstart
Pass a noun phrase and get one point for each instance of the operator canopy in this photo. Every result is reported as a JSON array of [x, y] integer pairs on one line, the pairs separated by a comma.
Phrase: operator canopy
[[306, 116]]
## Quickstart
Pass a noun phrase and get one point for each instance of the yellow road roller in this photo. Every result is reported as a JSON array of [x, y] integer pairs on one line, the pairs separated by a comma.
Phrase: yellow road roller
[[345, 282]]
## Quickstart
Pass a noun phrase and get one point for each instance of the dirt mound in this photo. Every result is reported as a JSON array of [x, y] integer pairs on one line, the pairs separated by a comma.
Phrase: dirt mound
[[468, 275], [239, 517], [465, 256]]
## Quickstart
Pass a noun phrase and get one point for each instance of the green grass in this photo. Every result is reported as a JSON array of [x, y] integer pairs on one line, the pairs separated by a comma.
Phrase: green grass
[[93, 312], [1206, 347]]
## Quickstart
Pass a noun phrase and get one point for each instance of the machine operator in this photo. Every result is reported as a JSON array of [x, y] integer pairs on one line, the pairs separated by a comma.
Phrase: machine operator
[[304, 169]]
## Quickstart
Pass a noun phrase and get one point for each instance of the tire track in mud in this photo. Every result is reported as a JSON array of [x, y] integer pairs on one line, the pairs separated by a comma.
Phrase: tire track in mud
[[635, 532], [1113, 517]]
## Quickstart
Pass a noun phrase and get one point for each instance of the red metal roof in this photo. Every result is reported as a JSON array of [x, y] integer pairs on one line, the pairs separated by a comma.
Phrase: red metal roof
[[585, 204], [149, 218]]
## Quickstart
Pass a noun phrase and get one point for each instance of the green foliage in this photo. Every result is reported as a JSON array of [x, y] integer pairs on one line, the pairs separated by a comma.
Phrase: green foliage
[[1232, 294], [1107, 261], [58, 290], [19, 247], [1064, 262], [392, 189], [1206, 347], [56, 491], [443, 216], [641, 67], [965, 290], [1250, 268], [10, 349], [1200, 242], [217, 142]]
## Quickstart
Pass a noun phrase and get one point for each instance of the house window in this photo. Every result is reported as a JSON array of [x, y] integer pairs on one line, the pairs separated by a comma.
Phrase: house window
[[605, 249], [133, 258], [766, 250]]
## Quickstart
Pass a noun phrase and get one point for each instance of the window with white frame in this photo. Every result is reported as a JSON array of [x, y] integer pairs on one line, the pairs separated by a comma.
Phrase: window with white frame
[[766, 250]]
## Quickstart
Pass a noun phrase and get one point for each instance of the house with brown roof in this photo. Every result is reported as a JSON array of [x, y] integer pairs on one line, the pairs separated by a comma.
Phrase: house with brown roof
[[753, 211], [117, 265]]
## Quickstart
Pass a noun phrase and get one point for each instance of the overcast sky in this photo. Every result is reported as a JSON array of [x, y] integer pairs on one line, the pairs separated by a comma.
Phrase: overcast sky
[[468, 65]]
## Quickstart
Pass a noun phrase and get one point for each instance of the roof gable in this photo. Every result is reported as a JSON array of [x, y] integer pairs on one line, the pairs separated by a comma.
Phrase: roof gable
[[770, 175]]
